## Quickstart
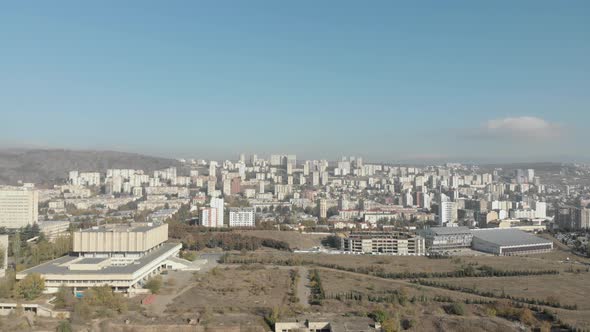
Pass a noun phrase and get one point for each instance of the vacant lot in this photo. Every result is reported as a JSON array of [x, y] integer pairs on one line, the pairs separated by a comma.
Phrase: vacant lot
[[240, 289], [567, 288], [295, 240], [396, 264]]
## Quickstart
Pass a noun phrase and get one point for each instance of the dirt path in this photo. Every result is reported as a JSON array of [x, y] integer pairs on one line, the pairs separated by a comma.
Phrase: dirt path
[[303, 291]]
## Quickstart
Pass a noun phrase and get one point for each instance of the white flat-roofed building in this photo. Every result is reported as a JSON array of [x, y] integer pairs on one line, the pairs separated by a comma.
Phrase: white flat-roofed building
[[509, 242], [121, 256], [19, 207], [52, 229], [242, 217]]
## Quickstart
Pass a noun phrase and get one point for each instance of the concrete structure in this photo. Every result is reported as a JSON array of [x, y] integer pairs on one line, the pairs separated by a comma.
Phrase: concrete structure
[[19, 207], [447, 213], [52, 229], [509, 242], [242, 217], [394, 243], [217, 203], [443, 238], [123, 257], [209, 217], [118, 239]]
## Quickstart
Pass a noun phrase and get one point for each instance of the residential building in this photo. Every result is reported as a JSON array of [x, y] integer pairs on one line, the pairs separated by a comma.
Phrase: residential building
[[19, 207], [388, 243], [242, 217]]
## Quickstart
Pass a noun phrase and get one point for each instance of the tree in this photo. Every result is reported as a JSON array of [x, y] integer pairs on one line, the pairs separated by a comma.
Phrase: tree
[[30, 287], [64, 298], [154, 284], [64, 326]]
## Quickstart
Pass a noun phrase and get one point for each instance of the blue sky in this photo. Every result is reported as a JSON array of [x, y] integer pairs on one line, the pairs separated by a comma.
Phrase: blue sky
[[468, 80]]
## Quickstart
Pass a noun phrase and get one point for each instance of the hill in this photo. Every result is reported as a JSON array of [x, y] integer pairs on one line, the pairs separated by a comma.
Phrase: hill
[[51, 166]]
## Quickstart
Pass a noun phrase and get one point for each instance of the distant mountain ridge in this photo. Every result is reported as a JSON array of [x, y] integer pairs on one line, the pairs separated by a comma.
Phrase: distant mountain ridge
[[44, 166]]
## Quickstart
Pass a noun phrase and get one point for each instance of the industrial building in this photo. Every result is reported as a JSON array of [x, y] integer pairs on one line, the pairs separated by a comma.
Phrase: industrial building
[[121, 256], [388, 243], [445, 238], [509, 242]]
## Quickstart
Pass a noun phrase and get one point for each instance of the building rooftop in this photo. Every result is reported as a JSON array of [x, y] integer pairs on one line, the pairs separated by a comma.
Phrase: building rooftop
[[60, 265], [507, 237], [132, 227], [450, 230]]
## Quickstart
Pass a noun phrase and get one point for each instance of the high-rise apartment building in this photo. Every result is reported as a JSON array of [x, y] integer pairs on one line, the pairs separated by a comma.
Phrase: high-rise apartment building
[[19, 207], [217, 204]]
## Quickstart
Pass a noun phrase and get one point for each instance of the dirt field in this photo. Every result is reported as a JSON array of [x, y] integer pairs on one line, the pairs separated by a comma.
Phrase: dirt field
[[235, 289], [551, 261], [567, 288], [295, 240]]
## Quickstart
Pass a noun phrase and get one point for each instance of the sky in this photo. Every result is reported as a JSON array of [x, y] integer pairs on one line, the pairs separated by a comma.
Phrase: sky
[[385, 80]]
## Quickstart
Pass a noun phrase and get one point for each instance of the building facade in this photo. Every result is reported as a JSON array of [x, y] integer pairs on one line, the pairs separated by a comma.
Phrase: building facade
[[242, 217], [394, 243], [19, 207]]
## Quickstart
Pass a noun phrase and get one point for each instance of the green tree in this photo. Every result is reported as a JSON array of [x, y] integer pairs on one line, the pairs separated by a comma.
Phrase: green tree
[[154, 284], [30, 287], [64, 326]]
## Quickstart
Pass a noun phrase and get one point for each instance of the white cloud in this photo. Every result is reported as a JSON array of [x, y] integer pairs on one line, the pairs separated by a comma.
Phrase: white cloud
[[521, 127]]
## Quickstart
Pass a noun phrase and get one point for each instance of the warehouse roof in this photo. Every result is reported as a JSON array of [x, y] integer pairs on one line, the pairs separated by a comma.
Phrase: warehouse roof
[[507, 237], [449, 230]]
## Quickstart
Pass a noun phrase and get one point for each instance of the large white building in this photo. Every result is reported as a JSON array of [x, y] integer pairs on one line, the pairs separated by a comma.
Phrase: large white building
[[19, 207], [242, 217], [509, 242], [123, 257]]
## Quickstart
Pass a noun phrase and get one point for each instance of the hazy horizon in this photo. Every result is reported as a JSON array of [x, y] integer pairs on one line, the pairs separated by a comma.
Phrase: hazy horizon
[[452, 81]]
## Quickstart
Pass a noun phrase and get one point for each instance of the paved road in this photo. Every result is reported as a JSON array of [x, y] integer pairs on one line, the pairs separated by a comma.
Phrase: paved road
[[303, 290]]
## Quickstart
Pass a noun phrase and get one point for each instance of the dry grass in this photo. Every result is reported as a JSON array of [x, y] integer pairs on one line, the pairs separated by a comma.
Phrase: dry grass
[[567, 288], [238, 289]]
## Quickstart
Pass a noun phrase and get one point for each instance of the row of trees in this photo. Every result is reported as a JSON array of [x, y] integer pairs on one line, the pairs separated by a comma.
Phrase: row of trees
[[198, 238], [317, 290], [550, 302]]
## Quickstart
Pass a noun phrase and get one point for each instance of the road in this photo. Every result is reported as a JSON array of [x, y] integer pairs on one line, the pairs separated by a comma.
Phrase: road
[[303, 290]]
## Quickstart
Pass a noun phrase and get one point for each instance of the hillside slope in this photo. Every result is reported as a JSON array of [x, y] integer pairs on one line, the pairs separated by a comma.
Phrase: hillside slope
[[51, 166]]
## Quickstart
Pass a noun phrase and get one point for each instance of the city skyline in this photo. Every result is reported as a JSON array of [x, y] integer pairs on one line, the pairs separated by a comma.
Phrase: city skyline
[[454, 82]]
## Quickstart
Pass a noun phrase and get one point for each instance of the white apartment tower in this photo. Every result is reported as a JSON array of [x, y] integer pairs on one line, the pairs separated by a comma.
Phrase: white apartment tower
[[217, 204], [19, 207]]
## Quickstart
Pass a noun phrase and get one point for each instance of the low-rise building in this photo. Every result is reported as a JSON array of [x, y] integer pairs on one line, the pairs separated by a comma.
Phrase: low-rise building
[[389, 243], [444, 238], [242, 217], [52, 229], [121, 256], [509, 242]]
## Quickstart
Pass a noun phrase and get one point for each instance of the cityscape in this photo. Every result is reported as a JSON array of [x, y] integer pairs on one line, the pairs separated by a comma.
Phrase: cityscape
[[153, 238], [295, 166]]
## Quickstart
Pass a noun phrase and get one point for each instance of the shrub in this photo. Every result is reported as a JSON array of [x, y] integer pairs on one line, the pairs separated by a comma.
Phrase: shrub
[[154, 284], [456, 309]]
